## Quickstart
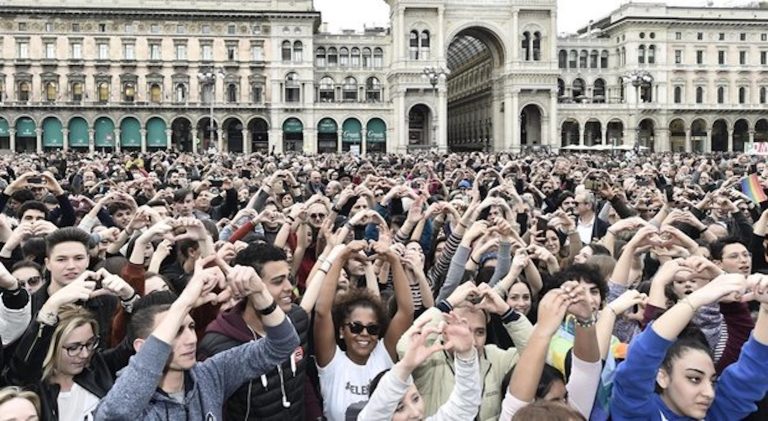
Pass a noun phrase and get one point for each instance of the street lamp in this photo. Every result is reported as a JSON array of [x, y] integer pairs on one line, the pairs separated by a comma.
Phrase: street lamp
[[209, 78], [434, 75], [639, 79]]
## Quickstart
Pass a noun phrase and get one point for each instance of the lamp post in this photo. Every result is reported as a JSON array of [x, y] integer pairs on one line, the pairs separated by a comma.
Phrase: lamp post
[[209, 78], [434, 75], [639, 79]]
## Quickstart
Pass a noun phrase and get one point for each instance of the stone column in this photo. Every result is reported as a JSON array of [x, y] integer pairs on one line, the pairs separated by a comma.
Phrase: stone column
[[39, 140], [363, 146], [442, 122], [220, 136], [688, 146], [707, 142], [508, 123], [730, 140], [246, 141], [751, 136], [310, 141], [143, 133], [12, 134], [604, 133], [661, 140], [168, 138], [117, 140], [440, 33], [553, 126], [275, 140], [91, 140], [583, 131], [65, 139], [515, 115], [339, 140], [198, 140], [515, 35]]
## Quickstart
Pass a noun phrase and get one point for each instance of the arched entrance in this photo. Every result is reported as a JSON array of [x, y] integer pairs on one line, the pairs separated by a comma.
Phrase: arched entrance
[[698, 135], [327, 136], [78, 133], [720, 136], [209, 134], [352, 135], [376, 136], [53, 136], [104, 133], [5, 134], [570, 133], [740, 135], [130, 133], [181, 134], [26, 135], [530, 125], [259, 131], [293, 135], [157, 138], [761, 130], [593, 133], [677, 135], [233, 135], [615, 133], [646, 131], [475, 56], [419, 127]]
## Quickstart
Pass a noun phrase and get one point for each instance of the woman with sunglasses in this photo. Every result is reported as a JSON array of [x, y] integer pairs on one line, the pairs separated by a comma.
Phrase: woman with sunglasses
[[29, 275], [58, 355], [354, 340]]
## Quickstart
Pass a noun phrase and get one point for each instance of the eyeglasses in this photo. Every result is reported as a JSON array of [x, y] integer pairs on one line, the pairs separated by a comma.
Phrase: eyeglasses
[[76, 349], [317, 215], [32, 281], [357, 328]]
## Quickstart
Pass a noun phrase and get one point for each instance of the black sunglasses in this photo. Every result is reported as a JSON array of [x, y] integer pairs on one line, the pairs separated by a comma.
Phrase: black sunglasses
[[317, 215], [357, 328], [31, 281]]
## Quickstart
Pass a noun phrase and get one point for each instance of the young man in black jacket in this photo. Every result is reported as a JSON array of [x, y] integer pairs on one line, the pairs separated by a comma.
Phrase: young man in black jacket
[[284, 393]]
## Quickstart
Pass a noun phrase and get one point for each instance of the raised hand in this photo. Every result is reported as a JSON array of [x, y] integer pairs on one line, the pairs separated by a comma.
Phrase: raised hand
[[626, 301], [552, 309], [419, 351], [579, 297], [457, 335]]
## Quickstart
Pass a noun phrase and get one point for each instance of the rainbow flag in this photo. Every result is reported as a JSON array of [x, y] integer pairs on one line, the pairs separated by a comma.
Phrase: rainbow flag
[[751, 187]]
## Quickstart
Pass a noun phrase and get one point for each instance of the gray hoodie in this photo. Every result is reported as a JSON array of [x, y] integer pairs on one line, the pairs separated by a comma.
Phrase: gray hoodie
[[136, 396]]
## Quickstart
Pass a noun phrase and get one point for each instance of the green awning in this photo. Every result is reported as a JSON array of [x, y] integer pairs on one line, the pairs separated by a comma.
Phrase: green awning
[[377, 131], [293, 125], [53, 136], [4, 129], [327, 125], [25, 127], [352, 131], [156, 133], [130, 133], [78, 133], [104, 133]]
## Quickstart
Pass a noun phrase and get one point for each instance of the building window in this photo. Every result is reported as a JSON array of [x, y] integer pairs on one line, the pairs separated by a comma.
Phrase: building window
[[373, 89], [129, 92], [207, 52], [742, 95], [762, 95], [367, 58], [721, 57], [103, 93], [326, 90], [593, 59], [24, 91], [700, 95], [231, 29], [652, 54], [763, 37], [156, 93], [181, 52], [699, 56], [349, 89], [130, 28], [378, 58], [678, 95], [77, 92], [333, 57], [604, 59], [763, 57], [526, 46], [573, 59], [642, 35], [743, 36], [298, 52], [231, 53], [354, 61], [256, 29], [181, 93], [51, 90], [22, 49], [75, 27], [598, 91], [103, 51], [102, 27], [232, 93], [424, 44], [50, 50], [344, 57], [742, 58], [678, 36], [129, 51], [413, 45], [286, 51], [720, 95], [320, 57], [181, 29], [721, 36], [678, 56], [48, 27], [562, 59], [536, 46], [641, 54], [583, 56], [22, 26], [257, 93], [257, 53], [700, 36], [77, 50], [206, 29], [292, 88], [154, 52], [154, 28]]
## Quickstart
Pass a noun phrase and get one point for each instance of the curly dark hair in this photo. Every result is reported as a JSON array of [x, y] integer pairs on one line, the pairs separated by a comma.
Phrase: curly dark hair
[[359, 297]]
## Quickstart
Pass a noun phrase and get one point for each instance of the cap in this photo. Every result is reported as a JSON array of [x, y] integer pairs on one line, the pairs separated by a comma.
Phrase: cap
[[465, 184]]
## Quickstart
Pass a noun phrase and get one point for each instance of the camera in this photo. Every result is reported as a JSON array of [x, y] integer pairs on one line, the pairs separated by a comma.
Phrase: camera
[[217, 182]]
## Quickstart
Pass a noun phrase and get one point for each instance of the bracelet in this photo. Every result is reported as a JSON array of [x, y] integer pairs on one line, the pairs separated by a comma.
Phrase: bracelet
[[686, 301], [335, 209], [612, 310], [472, 259], [586, 323], [611, 232], [269, 310], [703, 229]]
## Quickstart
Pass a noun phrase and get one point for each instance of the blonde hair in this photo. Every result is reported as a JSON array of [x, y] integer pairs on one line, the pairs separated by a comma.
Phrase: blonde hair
[[10, 393], [71, 317]]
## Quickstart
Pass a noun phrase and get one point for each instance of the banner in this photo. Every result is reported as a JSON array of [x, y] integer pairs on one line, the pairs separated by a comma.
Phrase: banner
[[756, 148]]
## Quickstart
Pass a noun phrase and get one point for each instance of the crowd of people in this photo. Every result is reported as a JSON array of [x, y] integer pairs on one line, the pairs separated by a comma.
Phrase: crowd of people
[[171, 286]]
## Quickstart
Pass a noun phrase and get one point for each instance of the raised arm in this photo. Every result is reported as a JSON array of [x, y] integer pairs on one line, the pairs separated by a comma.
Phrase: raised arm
[[404, 316]]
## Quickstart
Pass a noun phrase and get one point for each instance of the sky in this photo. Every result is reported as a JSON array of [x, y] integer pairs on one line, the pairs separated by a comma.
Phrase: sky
[[354, 14]]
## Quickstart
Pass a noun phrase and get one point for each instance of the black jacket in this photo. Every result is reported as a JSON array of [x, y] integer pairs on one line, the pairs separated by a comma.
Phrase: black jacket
[[26, 368], [254, 401]]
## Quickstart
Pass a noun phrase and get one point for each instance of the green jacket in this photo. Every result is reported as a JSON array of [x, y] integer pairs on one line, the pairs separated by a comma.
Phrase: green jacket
[[434, 378]]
